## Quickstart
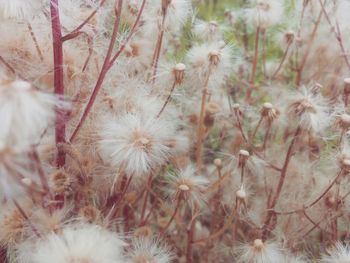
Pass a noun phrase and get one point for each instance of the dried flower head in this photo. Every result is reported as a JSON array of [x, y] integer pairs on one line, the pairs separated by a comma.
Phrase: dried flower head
[[149, 250], [76, 243], [25, 113], [188, 186], [310, 111], [260, 252], [136, 144], [339, 254], [265, 13]]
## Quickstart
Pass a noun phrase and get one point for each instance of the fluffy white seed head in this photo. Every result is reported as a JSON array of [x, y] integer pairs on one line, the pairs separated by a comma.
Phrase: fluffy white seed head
[[260, 252], [136, 144], [339, 254], [19, 9], [25, 113], [75, 243], [188, 186], [265, 13], [309, 110], [209, 59], [149, 250]]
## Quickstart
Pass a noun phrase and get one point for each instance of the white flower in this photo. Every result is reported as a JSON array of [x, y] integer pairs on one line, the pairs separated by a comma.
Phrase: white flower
[[19, 9], [310, 110], [188, 186], [135, 143], [339, 254], [207, 30], [265, 13], [76, 243], [260, 252], [214, 59], [25, 113], [149, 250]]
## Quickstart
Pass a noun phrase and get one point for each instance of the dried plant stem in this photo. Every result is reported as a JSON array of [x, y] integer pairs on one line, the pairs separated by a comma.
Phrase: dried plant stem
[[335, 221], [158, 48], [240, 128], [267, 134], [201, 130], [149, 184], [41, 173], [25, 216], [8, 66], [254, 65], [316, 200], [177, 207], [108, 62], [256, 129], [77, 29], [227, 225], [35, 41], [60, 125], [167, 99], [282, 62], [280, 184], [191, 235], [337, 33], [307, 50]]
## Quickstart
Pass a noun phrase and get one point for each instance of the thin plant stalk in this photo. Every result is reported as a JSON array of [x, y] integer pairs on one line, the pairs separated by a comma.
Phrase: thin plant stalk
[[108, 62], [60, 124], [280, 184], [35, 41], [254, 65]]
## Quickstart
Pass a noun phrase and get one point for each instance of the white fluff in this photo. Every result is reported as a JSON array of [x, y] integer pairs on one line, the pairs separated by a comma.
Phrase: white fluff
[[135, 143], [76, 243]]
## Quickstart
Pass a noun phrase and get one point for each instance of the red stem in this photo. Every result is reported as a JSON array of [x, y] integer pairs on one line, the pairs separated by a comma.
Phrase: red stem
[[60, 125], [103, 71], [108, 63], [271, 213]]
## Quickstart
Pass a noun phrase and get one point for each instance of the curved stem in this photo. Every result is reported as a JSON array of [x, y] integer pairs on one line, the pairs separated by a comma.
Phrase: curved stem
[[282, 61], [172, 217], [103, 71], [271, 213], [167, 99]]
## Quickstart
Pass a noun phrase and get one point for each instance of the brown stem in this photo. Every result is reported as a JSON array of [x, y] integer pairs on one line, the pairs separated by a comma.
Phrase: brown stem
[[77, 29], [60, 125], [282, 61], [307, 52], [38, 50], [241, 128], [221, 231], [200, 130], [256, 129], [41, 173], [267, 134], [337, 33], [172, 217], [316, 200], [271, 206], [254, 65], [167, 99], [190, 237], [25, 216], [149, 183], [108, 63], [104, 70], [158, 48]]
